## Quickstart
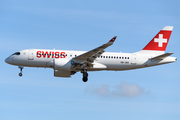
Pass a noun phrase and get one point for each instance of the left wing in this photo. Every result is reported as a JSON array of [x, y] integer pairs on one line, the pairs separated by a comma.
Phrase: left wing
[[90, 56]]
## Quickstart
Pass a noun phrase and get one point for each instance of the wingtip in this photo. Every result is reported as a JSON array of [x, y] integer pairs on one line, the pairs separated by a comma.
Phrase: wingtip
[[113, 39]]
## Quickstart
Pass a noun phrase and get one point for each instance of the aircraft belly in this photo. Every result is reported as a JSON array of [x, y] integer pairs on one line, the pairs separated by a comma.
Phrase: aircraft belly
[[117, 64]]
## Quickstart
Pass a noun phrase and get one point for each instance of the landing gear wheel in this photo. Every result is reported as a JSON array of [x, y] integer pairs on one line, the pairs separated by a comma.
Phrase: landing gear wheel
[[20, 67], [85, 77], [85, 74], [20, 74]]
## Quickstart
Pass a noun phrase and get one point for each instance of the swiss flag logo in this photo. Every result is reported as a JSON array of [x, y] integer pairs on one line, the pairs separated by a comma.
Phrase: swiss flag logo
[[159, 42]]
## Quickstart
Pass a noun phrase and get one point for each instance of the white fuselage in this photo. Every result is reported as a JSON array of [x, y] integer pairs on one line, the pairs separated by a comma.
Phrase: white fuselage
[[106, 61]]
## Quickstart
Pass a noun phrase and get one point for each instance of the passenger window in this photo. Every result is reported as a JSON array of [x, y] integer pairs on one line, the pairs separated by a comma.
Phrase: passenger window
[[122, 57]]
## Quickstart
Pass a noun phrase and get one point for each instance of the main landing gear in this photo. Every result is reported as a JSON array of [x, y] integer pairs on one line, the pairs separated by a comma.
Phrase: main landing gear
[[20, 67], [85, 75]]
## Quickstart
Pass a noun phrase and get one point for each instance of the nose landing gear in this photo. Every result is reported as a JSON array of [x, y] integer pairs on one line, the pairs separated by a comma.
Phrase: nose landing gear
[[20, 67]]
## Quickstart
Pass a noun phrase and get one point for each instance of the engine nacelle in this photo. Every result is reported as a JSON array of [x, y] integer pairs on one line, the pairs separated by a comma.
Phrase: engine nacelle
[[59, 73], [62, 64]]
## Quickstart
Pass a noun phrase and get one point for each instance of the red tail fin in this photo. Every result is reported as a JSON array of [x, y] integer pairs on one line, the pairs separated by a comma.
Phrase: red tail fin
[[160, 41]]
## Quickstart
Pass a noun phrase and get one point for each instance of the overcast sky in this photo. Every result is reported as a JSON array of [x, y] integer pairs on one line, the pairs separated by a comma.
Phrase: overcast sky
[[143, 94]]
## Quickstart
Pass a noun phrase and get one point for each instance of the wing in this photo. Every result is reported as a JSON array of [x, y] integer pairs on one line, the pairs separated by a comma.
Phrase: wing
[[90, 56]]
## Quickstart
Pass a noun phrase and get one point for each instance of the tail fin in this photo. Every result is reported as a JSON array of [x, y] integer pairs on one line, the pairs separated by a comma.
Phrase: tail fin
[[160, 41]]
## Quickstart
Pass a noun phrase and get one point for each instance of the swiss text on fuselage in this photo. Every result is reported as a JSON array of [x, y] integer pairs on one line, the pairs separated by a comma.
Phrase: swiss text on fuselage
[[50, 54]]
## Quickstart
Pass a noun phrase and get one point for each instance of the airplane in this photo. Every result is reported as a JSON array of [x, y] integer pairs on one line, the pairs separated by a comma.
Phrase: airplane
[[67, 62]]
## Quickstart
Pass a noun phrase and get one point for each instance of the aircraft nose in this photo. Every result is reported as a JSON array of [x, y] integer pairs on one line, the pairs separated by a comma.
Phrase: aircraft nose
[[8, 60]]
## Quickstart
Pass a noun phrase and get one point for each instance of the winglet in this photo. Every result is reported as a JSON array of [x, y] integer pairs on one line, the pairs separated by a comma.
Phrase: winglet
[[113, 39]]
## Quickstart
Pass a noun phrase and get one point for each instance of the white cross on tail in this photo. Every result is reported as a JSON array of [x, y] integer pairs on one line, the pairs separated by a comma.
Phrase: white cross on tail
[[160, 40]]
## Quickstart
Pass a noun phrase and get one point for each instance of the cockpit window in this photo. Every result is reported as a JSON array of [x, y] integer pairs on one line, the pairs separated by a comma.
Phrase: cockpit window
[[16, 53]]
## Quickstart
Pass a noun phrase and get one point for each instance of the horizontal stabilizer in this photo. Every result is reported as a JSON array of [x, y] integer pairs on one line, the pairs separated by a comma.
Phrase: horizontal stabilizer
[[161, 57]]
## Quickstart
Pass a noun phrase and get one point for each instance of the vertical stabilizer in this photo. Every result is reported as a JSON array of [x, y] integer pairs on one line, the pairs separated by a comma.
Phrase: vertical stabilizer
[[160, 41]]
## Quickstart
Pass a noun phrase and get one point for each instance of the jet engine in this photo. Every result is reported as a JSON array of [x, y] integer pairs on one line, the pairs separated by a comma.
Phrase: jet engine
[[62, 64], [62, 68]]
